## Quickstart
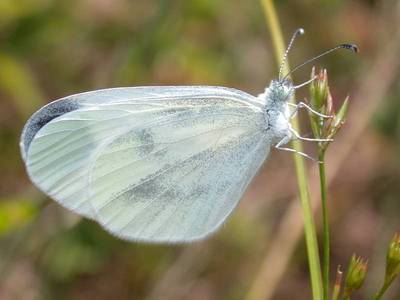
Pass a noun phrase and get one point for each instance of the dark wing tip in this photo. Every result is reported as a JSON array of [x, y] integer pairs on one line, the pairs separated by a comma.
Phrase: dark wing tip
[[43, 116]]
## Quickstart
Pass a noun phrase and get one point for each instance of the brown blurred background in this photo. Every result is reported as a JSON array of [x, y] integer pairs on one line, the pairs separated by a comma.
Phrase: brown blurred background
[[53, 48]]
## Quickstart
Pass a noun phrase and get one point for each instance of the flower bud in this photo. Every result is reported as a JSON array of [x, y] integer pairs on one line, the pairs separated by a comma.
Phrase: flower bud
[[356, 273], [321, 101], [339, 119], [393, 259], [319, 90]]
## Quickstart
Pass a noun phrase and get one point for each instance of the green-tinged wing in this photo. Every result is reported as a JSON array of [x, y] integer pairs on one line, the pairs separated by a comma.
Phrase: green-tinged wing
[[60, 141]]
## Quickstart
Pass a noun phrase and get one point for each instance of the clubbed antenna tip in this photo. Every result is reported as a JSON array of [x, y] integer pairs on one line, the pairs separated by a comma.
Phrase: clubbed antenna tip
[[351, 47], [300, 31]]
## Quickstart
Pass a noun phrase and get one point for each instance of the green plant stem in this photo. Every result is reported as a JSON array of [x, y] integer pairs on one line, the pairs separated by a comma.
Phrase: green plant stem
[[346, 296], [309, 224], [335, 294], [383, 289], [325, 225]]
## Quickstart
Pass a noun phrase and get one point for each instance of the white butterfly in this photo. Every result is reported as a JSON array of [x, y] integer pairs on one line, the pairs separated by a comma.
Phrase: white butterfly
[[156, 164]]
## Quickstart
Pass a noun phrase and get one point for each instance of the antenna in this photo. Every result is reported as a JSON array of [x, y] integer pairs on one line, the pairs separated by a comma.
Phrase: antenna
[[351, 47], [298, 32]]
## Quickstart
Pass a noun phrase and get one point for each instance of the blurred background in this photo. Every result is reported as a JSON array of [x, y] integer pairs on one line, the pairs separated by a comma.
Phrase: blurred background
[[52, 48]]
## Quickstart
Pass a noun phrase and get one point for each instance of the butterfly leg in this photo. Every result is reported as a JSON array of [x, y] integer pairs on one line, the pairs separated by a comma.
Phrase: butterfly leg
[[309, 108], [297, 136], [284, 141]]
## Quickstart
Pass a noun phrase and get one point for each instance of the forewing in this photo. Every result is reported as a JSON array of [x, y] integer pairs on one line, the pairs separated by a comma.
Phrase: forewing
[[58, 148]]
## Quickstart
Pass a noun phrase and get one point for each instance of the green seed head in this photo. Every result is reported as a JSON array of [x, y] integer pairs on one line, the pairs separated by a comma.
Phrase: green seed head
[[356, 274], [393, 258], [319, 90]]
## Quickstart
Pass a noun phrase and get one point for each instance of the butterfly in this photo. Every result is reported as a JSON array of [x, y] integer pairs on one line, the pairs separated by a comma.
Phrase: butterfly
[[158, 163]]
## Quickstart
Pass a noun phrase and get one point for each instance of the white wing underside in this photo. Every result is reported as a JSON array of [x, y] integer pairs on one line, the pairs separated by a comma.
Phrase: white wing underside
[[158, 164]]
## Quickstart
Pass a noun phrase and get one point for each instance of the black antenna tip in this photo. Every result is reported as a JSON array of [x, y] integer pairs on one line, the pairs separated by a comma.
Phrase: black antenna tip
[[351, 47]]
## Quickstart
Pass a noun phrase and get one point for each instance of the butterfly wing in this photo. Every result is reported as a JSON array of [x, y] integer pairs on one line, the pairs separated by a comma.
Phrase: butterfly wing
[[59, 139], [162, 164]]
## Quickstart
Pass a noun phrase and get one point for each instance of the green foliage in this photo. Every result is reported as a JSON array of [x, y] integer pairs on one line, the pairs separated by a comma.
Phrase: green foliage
[[15, 214], [80, 250]]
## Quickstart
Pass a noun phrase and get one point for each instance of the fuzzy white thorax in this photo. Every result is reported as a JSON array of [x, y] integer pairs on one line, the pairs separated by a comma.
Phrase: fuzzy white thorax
[[276, 109]]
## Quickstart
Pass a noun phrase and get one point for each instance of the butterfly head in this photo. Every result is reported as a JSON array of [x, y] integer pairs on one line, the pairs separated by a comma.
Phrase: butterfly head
[[277, 94], [281, 91]]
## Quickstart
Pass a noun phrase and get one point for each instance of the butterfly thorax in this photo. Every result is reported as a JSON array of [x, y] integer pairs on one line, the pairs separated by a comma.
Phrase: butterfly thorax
[[276, 110]]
